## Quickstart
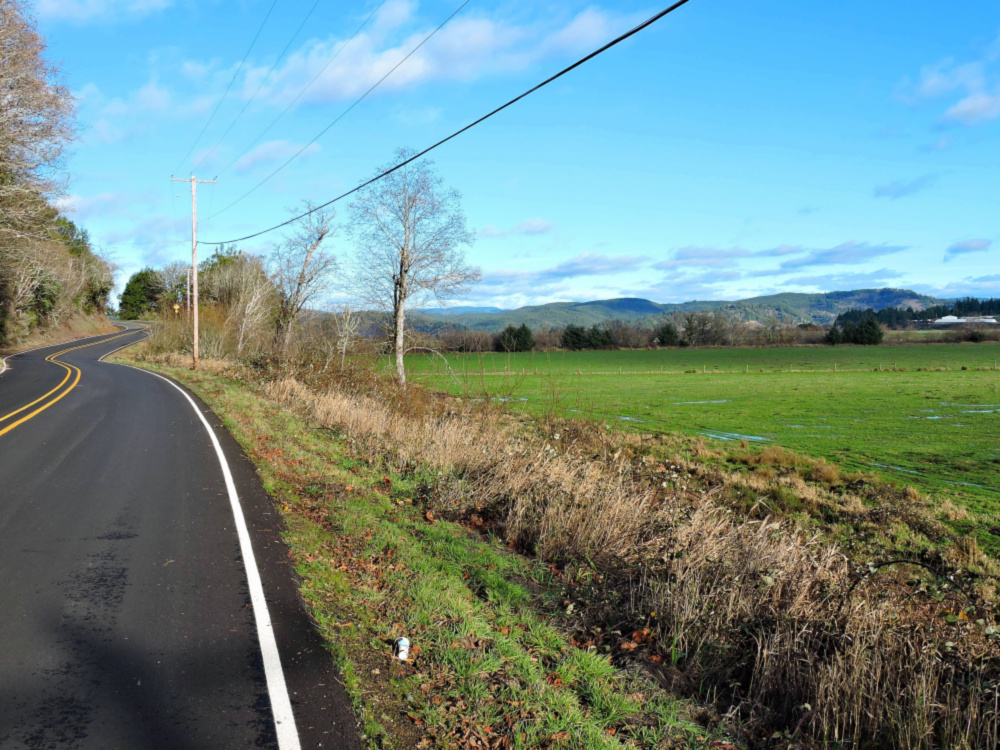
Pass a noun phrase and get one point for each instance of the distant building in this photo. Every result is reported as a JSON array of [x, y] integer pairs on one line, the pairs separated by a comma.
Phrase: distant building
[[951, 320]]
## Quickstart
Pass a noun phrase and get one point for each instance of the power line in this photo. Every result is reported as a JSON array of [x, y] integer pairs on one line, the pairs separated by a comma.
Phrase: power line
[[344, 114], [618, 40], [298, 96], [262, 82], [226, 93]]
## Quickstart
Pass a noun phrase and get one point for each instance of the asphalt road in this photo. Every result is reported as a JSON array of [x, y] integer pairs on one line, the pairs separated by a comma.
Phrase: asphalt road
[[131, 612]]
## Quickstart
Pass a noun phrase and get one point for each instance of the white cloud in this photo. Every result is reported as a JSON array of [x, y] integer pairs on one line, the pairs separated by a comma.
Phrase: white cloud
[[972, 286], [270, 152], [84, 207], [975, 82], [103, 131], [848, 253], [88, 10], [944, 77], [153, 97], [834, 281], [976, 108], [901, 188], [529, 227], [702, 257], [466, 49], [967, 246]]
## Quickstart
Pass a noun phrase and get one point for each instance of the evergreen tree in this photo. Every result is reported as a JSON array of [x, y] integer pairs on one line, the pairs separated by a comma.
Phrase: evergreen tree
[[141, 294], [515, 339], [525, 339], [868, 332], [575, 338], [668, 335], [598, 338]]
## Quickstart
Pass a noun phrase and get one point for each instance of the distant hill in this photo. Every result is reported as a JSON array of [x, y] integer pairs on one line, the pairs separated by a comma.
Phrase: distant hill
[[790, 308]]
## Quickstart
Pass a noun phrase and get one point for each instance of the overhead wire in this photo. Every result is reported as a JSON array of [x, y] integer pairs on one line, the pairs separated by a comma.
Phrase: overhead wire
[[261, 85], [228, 88], [613, 43], [309, 85], [343, 114]]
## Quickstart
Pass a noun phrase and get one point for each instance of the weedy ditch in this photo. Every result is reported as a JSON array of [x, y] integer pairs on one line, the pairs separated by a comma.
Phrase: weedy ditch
[[807, 606]]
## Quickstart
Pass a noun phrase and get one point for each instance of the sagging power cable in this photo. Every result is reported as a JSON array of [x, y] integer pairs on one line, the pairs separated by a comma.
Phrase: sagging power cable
[[618, 40], [343, 114], [228, 88], [263, 81], [308, 86]]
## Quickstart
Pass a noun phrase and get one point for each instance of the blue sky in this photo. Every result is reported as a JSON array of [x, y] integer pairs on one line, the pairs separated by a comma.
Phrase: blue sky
[[732, 150]]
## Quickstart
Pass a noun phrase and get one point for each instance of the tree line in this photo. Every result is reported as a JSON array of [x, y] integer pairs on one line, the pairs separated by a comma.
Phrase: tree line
[[896, 317], [689, 329], [48, 267]]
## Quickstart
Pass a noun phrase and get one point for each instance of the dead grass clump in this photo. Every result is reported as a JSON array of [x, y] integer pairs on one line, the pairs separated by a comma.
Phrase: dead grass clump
[[802, 640], [824, 473], [775, 455], [552, 503], [947, 510]]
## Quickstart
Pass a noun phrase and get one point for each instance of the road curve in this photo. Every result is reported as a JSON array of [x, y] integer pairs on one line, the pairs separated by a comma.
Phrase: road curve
[[128, 614]]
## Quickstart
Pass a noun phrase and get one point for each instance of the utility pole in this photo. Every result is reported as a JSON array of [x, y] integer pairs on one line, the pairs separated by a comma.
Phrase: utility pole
[[194, 253], [187, 297]]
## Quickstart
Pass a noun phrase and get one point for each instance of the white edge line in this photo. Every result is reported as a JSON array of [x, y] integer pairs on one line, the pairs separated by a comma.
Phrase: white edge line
[[3, 362], [281, 705]]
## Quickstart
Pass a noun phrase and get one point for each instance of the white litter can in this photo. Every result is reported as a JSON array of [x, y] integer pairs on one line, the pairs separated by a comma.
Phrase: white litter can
[[401, 649]]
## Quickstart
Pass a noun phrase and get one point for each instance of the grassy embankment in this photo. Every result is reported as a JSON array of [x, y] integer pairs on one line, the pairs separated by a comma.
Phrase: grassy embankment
[[493, 663], [927, 415], [812, 605]]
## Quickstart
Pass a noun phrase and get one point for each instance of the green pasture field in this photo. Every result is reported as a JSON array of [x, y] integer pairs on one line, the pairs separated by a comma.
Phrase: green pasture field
[[909, 412]]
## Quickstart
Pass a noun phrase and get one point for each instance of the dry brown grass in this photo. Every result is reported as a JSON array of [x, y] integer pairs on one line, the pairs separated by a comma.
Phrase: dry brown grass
[[548, 497], [854, 661]]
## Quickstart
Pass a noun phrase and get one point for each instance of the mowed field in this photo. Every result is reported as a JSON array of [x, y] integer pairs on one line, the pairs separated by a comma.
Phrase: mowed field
[[910, 412]]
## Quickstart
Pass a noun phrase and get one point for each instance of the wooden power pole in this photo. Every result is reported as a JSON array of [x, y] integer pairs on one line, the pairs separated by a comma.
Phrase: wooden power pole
[[194, 255]]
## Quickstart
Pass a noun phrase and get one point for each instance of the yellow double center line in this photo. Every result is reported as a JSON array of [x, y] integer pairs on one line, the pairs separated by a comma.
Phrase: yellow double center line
[[58, 393]]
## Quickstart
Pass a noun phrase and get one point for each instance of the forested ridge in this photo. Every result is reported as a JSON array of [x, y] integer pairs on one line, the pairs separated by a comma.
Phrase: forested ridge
[[48, 268]]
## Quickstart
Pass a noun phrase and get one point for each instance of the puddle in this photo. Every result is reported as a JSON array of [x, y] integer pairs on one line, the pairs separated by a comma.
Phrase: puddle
[[734, 436], [969, 484], [980, 406], [631, 419], [683, 403], [896, 468], [981, 411]]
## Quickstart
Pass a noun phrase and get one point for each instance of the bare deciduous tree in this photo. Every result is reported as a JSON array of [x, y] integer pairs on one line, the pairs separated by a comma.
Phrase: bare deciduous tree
[[301, 269], [410, 236], [346, 325], [249, 295], [36, 114]]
